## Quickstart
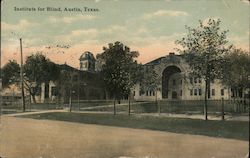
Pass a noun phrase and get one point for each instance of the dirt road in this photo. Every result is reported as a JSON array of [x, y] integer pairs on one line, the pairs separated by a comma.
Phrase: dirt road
[[28, 138]]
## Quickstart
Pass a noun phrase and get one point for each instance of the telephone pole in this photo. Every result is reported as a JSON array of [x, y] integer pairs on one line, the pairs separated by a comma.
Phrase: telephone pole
[[21, 73], [1, 86]]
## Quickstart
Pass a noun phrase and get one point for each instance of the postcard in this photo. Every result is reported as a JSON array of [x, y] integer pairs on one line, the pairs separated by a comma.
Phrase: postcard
[[124, 79]]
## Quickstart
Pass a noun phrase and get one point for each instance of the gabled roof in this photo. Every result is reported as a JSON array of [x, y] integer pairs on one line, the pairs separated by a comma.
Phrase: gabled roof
[[158, 60], [155, 62], [67, 67]]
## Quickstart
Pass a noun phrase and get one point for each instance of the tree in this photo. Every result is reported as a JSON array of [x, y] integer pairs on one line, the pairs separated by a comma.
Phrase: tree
[[204, 49], [118, 70], [11, 73], [149, 81], [236, 71], [38, 69], [66, 85]]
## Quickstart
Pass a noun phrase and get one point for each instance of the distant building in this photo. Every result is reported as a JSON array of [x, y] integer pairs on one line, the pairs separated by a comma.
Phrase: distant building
[[177, 84], [82, 84]]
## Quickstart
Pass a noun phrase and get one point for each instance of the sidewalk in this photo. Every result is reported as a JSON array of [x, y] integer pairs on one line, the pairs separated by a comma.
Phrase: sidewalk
[[35, 112]]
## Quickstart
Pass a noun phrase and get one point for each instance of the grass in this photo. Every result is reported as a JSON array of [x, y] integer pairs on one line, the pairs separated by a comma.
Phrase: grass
[[179, 107], [225, 129]]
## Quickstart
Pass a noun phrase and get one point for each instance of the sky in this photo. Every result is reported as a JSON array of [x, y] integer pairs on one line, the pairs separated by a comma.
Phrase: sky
[[148, 26]]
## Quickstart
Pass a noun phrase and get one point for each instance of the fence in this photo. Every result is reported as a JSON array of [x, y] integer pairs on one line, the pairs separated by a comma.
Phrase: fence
[[179, 106], [191, 106], [165, 106]]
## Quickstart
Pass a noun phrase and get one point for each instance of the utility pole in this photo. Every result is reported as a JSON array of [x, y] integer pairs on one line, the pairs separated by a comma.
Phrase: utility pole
[[78, 96], [1, 99], [21, 73], [129, 92]]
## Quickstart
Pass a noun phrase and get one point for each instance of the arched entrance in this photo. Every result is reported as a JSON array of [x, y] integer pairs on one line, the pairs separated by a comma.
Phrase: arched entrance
[[170, 82]]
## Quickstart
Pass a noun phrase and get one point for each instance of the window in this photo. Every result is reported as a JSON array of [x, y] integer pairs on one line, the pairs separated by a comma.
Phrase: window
[[191, 92], [134, 93], [140, 93], [232, 93], [54, 91], [191, 80], [213, 92], [146, 93], [200, 93], [222, 92], [153, 93], [181, 93], [199, 80], [174, 82], [195, 91], [212, 80], [36, 90], [150, 93], [195, 80], [181, 81]]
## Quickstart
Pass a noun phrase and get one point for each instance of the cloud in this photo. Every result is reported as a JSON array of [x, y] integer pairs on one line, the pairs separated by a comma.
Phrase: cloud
[[97, 1], [21, 25], [114, 28], [142, 30], [68, 20], [81, 35], [247, 2], [88, 32], [160, 13], [76, 36]]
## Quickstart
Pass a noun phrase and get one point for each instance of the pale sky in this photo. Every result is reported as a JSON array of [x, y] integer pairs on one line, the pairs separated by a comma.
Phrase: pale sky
[[148, 26]]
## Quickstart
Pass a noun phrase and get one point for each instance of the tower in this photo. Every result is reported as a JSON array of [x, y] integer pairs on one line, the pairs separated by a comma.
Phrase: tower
[[87, 62]]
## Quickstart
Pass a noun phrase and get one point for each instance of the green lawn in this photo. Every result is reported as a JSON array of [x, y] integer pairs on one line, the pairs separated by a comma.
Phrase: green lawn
[[226, 129]]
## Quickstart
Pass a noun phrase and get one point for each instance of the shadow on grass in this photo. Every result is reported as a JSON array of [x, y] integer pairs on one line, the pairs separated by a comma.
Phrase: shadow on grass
[[225, 129]]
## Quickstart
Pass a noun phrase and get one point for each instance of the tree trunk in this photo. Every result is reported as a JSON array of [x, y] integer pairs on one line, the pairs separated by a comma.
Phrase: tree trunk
[[129, 104], [244, 100], [206, 95], [248, 99], [156, 103], [222, 109], [70, 101], [114, 106], [33, 98]]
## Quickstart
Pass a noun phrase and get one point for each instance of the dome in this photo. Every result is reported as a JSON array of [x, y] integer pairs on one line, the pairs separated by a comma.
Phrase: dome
[[87, 56]]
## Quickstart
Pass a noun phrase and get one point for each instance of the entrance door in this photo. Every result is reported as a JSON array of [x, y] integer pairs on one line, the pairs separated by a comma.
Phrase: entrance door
[[174, 95]]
